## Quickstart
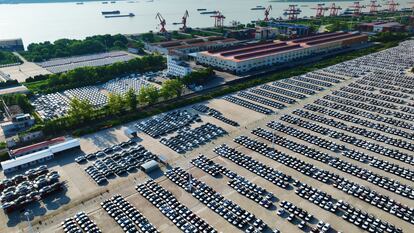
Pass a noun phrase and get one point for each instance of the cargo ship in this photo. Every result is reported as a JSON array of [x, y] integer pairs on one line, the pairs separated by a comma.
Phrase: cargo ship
[[201, 9], [119, 16], [110, 12], [208, 12], [257, 8]]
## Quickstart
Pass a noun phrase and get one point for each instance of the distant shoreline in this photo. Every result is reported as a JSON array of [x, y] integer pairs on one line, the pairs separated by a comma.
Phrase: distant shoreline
[[311, 1], [50, 1]]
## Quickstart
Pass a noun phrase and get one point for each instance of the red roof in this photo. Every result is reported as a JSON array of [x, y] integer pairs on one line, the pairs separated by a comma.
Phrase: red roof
[[37, 146]]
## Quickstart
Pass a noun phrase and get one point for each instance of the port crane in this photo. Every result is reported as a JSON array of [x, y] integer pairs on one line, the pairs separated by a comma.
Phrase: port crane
[[267, 13], [184, 21], [162, 22], [218, 19], [392, 5], [292, 12], [320, 10], [357, 8], [412, 7], [373, 7], [334, 10]]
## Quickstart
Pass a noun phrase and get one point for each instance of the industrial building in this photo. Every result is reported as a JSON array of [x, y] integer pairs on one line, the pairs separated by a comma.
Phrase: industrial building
[[186, 46], [290, 29], [266, 33], [18, 123], [11, 45], [37, 153], [249, 57], [177, 68], [377, 27]]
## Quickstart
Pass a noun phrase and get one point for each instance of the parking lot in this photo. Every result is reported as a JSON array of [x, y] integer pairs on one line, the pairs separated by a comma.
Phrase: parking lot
[[334, 146]]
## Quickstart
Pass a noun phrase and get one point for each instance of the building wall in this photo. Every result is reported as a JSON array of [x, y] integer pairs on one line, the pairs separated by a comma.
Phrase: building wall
[[273, 59], [175, 68]]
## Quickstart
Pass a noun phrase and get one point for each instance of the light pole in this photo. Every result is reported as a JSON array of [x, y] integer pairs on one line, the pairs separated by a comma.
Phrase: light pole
[[26, 216]]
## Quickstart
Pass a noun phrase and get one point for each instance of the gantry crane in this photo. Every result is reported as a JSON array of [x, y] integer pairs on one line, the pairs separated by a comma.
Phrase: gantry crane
[[357, 8], [218, 19], [292, 12], [162, 22], [267, 13], [184, 21], [392, 5], [320, 10], [334, 10], [373, 7]]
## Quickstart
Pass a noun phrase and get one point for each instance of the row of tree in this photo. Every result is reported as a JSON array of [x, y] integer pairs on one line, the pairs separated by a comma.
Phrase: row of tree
[[68, 47], [82, 112], [21, 100], [8, 58], [85, 76]]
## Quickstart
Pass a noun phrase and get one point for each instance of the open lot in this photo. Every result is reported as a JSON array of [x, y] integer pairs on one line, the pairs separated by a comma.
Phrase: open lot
[[370, 100]]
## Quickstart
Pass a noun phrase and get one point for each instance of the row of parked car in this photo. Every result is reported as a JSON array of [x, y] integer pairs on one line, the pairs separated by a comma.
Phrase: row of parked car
[[292, 145], [380, 137], [80, 223], [273, 96], [187, 139], [276, 177], [305, 85], [366, 114], [261, 100], [248, 104], [358, 105], [374, 102], [325, 76], [124, 158], [127, 216], [294, 213], [365, 221], [29, 175], [229, 210], [359, 218], [282, 91], [372, 197], [379, 180], [367, 93], [389, 152], [170, 207], [363, 122], [376, 199], [167, 123], [287, 160], [215, 113], [294, 88], [306, 79], [313, 139], [237, 182], [33, 186]]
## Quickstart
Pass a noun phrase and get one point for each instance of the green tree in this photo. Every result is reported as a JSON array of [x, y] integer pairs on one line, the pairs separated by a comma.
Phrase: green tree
[[148, 95], [171, 88], [131, 99], [80, 111], [115, 103]]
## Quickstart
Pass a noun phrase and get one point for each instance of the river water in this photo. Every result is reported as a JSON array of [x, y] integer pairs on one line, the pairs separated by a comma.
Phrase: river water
[[38, 22]]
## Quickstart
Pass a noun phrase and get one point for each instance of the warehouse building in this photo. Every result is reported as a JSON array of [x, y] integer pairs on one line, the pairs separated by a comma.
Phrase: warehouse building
[[17, 124], [376, 27], [177, 68], [186, 46], [11, 45], [243, 58], [35, 156]]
